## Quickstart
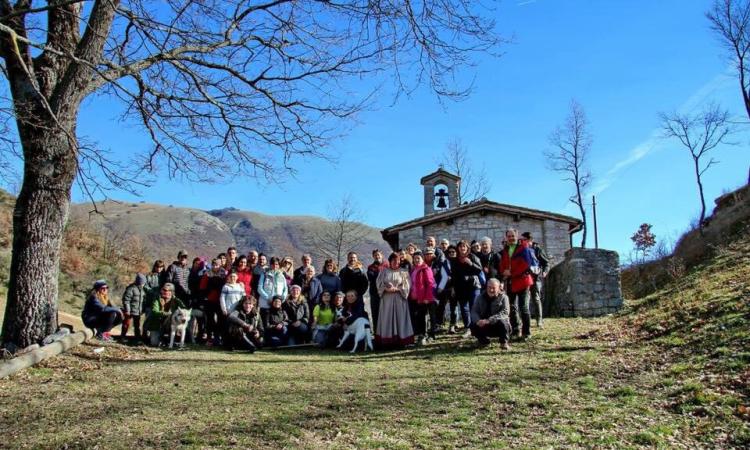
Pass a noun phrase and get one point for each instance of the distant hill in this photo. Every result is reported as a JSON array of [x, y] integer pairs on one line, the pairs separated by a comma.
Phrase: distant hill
[[164, 230]]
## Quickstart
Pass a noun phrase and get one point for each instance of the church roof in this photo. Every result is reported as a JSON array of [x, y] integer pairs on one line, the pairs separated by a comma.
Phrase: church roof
[[439, 172], [479, 206]]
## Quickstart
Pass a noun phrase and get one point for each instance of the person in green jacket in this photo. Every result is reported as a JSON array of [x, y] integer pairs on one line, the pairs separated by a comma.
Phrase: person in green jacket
[[323, 316], [161, 309]]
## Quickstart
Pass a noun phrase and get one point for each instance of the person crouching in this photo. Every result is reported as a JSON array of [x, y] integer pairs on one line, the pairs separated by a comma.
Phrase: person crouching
[[245, 325], [490, 315]]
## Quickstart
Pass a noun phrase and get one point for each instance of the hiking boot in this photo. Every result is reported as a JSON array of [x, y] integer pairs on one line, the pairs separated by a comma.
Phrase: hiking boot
[[505, 346], [467, 335], [452, 329], [539, 323]]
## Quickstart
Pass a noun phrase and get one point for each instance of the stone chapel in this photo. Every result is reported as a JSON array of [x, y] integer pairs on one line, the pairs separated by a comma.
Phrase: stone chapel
[[444, 217]]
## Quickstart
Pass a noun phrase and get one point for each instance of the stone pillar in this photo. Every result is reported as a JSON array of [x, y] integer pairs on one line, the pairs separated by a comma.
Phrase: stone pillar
[[585, 284]]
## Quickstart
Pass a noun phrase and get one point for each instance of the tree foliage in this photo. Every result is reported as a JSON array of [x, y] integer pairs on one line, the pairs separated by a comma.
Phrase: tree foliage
[[643, 239]]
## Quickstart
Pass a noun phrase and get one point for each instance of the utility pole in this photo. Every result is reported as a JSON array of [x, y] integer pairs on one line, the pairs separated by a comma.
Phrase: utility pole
[[596, 231]]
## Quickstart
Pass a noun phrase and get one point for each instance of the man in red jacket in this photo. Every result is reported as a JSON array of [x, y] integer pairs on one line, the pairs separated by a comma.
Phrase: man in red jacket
[[516, 260]]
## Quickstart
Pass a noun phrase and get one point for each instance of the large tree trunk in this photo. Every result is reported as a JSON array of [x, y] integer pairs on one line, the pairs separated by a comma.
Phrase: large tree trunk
[[39, 219]]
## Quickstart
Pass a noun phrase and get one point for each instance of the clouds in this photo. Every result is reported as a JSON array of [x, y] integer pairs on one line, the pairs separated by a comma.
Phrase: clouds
[[654, 142]]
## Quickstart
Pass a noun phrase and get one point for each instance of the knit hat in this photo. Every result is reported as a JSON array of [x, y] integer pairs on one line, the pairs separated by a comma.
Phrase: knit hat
[[181, 253], [99, 284], [277, 297], [140, 279]]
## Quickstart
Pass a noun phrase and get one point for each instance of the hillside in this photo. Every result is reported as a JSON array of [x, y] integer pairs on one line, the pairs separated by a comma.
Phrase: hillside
[[164, 230], [671, 371]]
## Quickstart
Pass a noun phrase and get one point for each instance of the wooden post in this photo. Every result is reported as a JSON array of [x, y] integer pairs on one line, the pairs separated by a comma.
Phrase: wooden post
[[596, 231], [14, 365]]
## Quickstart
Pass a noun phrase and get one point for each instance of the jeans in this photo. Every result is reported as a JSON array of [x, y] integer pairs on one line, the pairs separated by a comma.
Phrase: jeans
[[466, 302], [500, 329], [444, 298], [106, 321], [276, 338], [298, 334], [321, 336], [154, 338], [520, 300], [536, 298]]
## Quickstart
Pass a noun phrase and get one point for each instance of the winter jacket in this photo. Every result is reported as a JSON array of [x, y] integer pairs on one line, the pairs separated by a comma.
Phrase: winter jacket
[[299, 275], [93, 309], [296, 311], [422, 285], [239, 318], [541, 257], [245, 277], [178, 275], [312, 291], [323, 316], [330, 282], [272, 282], [212, 284], [230, 297], [490, 262], [275, 317], [519, 264], [258, 270], [353, 311], [152, 288], [197, 295], [466, 274], [160, 312], [372, 277], [354, 278], [492, 309], [134, 298], [443, 279]]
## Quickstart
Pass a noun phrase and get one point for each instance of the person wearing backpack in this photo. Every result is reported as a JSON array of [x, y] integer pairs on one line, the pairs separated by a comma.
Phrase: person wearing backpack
[[517, 262], [539, 275]]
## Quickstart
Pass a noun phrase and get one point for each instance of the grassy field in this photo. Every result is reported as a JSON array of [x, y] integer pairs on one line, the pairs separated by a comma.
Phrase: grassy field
[[670, 371]]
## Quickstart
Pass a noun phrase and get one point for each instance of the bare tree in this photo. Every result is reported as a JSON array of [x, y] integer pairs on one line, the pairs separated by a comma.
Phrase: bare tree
[[571, 144], [474, 183], [730, 20], [343, 233], [699, 134], [219, 86]]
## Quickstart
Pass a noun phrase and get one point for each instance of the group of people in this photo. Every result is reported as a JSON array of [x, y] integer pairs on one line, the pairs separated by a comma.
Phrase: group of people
[[248, 301]]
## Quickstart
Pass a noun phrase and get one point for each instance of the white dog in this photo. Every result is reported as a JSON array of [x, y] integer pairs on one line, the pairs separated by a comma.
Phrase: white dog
[[178, 324], [360, 328]]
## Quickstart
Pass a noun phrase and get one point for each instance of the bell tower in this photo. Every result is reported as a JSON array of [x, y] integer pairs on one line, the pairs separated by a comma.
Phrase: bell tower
[[440, 191]]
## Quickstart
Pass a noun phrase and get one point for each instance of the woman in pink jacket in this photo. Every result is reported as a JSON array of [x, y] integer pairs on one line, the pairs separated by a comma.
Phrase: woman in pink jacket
[[422, 299]]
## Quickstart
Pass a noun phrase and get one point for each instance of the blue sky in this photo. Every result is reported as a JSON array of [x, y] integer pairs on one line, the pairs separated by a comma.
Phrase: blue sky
[[624, 61]]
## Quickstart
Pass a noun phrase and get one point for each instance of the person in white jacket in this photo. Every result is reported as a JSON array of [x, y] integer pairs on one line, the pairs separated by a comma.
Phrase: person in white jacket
[[272, 282]]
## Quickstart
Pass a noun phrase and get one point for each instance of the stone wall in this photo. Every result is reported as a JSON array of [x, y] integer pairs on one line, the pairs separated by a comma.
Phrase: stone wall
[[585, 284], [551, 235]]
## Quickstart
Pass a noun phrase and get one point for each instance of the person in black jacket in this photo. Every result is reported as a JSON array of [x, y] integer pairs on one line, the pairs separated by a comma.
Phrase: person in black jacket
[[373, 270], [536, 288], [298, 313], [275, 324], [465, 277], [354, 276]]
